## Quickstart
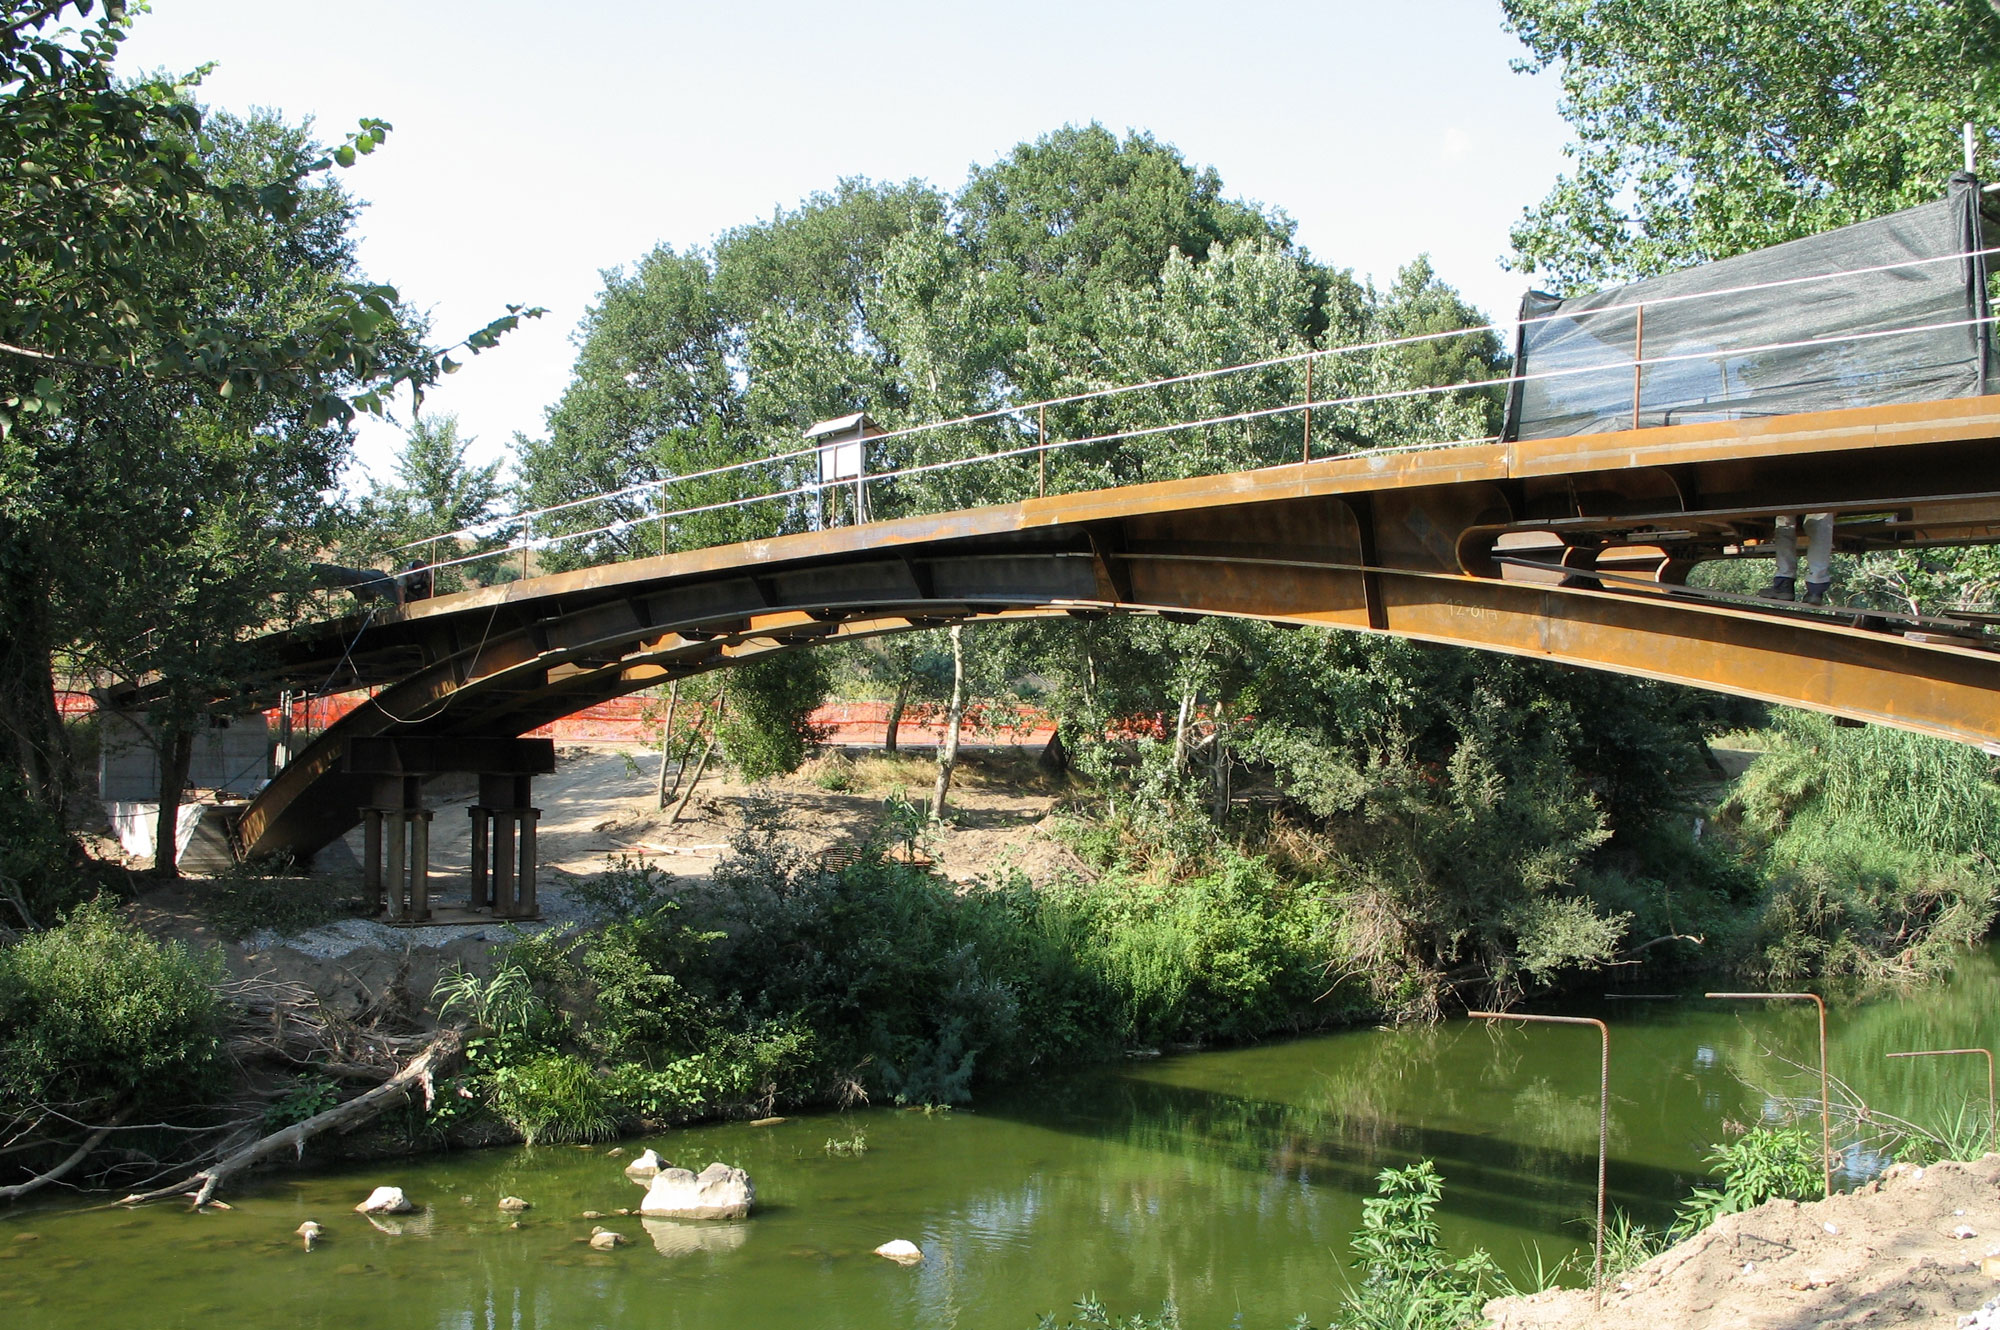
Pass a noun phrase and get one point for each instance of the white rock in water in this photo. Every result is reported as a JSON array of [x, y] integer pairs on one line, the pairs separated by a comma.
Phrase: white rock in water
[[720, 1192], [513, 1205], [604, 1239], [386, 1201], [899, 1250], [644, 1167]]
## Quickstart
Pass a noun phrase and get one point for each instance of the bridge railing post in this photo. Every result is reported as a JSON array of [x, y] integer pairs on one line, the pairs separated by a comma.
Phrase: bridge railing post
[[1638, 358], [1041, 452], [1306, 453]]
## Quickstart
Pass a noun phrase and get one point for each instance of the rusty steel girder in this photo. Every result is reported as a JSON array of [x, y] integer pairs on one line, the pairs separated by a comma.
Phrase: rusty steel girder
[[1567, 550]]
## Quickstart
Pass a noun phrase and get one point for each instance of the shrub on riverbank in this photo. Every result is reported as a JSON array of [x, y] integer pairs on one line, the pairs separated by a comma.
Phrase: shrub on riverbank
[[1879, 848], [787, 983], [96, 1018]]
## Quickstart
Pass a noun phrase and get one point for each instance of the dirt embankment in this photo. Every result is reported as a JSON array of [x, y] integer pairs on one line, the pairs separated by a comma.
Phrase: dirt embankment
[[1913, 1248]]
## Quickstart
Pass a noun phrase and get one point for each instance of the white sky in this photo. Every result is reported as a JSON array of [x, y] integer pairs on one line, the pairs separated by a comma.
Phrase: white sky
[[537, 145]]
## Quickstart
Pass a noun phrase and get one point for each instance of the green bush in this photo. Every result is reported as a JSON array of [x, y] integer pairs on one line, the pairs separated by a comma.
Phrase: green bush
[[1765, 1163], [94, 1013], [1409, 1281], [767, 729], [1879, 847], [883, 979]]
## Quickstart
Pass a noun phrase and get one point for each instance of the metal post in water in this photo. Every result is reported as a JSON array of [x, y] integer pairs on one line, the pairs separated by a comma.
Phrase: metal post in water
[[1603, 1117], [1825, 1101], [1992, 1120]]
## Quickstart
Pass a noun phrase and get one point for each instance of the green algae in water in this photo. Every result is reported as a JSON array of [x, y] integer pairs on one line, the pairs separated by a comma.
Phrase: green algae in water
[[1226, 1181]]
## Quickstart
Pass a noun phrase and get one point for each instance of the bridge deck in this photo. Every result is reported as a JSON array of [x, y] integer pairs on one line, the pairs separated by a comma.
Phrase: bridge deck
[[1469, 545]]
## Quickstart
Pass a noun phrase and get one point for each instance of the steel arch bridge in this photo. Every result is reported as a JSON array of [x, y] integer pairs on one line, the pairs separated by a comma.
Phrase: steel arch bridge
[[1568, 550]]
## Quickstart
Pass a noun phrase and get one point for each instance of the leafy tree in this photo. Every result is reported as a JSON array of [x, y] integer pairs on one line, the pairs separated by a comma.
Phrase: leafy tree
[[172, 279], [435, 492], [1079, 214], [1705, 128]]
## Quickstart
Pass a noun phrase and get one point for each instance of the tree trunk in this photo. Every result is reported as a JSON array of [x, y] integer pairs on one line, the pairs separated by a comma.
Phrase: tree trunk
[[948, 749], [1181, 723], [33, 742], [693, 781], [660, 791], [896, 714], [176, 749], [1055, 756], [82, 1152], [1219, 772]]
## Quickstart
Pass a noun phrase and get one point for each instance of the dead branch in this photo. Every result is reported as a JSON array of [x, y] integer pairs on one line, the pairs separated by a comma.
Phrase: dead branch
[[419, 1073], [40, 1180]]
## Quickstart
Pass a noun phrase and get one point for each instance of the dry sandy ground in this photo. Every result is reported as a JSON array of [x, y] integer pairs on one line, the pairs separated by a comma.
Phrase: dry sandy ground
[[598, 805], [1905, 1250]]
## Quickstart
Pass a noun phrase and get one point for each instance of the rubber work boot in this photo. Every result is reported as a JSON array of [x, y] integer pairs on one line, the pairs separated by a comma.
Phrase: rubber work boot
[[1780, 589], [1816, 592]]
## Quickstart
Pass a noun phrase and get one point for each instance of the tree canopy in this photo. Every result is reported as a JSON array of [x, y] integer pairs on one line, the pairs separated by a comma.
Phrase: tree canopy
[[1704, 128]]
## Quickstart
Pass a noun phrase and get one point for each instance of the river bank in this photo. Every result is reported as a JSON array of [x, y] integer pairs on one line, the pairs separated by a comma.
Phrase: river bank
[[1918, 1246]]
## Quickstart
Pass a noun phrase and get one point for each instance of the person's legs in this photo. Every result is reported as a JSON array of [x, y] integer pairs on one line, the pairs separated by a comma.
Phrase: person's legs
[[1819, 556], [1785, 546]]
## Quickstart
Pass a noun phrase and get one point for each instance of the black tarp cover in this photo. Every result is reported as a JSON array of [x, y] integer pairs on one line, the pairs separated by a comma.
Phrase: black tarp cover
[[1706, 368]]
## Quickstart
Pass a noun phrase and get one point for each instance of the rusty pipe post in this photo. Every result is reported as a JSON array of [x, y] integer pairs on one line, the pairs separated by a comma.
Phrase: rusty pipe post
[[1638, 358], [1306, 453], [1603, 1117], [1992, 1120], [1041, 452], [1825, 1099]]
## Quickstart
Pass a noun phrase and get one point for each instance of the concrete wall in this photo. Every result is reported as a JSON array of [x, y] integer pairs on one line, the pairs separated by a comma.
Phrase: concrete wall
[[235, 758]]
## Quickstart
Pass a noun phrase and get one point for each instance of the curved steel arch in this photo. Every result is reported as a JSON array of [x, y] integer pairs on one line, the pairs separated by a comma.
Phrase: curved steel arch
[[1466, 546]]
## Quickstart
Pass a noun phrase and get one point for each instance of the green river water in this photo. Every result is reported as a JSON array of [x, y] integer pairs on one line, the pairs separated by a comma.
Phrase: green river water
[[1227, 1181]]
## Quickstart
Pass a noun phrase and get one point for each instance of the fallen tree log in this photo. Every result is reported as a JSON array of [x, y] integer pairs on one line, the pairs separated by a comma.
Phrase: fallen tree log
[[419, 1073], [40, 1180]]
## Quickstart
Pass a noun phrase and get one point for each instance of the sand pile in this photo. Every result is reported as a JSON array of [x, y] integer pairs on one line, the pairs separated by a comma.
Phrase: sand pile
[[1915, 1247]]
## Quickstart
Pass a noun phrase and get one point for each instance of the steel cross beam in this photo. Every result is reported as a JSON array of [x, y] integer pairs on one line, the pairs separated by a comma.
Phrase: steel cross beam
[[1425, 544]]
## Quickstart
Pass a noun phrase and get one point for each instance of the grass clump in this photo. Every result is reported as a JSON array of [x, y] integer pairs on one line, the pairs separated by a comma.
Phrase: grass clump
[[555, 1098]]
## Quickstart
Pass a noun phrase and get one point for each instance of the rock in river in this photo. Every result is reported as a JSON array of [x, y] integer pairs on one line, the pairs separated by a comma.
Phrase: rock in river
[[513, 1205], [386, 1201], [642, 1169], [901, 1251], [720, 1192], [603, 1239]]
